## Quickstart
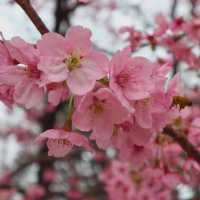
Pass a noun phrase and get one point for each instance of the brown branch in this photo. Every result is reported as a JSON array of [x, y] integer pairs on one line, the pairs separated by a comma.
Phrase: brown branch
[[32, 14], [173, 9], [183, 142]]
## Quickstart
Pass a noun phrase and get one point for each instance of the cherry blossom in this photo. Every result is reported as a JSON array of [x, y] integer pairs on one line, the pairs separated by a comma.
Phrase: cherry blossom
[[71, 59], [125, 77], [99, 111], [60, 142], [24, 77]]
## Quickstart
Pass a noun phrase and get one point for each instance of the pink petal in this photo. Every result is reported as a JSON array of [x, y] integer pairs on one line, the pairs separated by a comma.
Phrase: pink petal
[[53, 45], [79, 39], [91, 69], [143, 114], [57, 95], [82, 117], [55, 71], [28, 94], [119, 60], [99, 60], [5, 58], [22, 51], [52, 134], [115, 110], [79, 83], [11, 75], [79, 140]]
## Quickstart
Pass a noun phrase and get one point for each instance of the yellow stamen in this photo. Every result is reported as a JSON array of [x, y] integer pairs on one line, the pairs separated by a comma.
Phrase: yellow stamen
[[73, 62]]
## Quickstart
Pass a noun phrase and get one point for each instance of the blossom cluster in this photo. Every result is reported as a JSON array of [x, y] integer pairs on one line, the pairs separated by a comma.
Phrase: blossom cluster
[[179, 36], [123, 102]]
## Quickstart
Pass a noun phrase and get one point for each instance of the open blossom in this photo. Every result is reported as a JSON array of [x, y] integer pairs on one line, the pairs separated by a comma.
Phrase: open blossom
[[158, 106], [60, 142], [23, 77], [71, 59], [99, 111], [133, 142], [130, 78], [134, 37]]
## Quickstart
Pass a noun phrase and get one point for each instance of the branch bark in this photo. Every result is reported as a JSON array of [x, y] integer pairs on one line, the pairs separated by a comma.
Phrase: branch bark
[[173, 9], [32, 14], [191, 151]]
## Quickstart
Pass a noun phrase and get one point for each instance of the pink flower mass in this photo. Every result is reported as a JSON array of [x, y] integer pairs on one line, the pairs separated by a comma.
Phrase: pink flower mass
[[121, 102], [116, 124]]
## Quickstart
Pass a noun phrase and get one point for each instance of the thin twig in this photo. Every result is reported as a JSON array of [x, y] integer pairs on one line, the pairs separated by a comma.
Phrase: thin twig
[[183, 142], [32, 14], [173, 9]]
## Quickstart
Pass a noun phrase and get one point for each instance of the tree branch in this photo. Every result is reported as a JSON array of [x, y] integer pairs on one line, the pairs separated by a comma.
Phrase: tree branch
[[183, 142], [32, 14], [173, 9]]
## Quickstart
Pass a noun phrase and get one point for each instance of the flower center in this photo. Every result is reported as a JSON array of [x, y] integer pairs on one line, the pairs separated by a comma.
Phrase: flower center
[[61, 142], [122, 79], [73, 62], [97, 107], [136, 177]]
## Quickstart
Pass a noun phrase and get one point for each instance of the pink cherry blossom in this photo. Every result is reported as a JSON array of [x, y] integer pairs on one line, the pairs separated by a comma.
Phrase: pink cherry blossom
[[71, 59], [130, 78], [99, 111], [60, 142], [24, 77]]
